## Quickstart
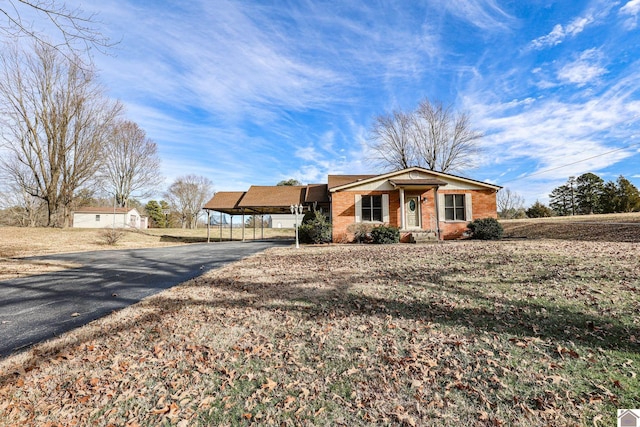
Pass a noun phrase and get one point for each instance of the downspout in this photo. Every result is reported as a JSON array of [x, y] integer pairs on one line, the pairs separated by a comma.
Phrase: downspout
[[437, 212]]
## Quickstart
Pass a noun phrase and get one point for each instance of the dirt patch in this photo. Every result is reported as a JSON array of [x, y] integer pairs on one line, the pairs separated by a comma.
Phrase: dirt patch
[[595, 228]]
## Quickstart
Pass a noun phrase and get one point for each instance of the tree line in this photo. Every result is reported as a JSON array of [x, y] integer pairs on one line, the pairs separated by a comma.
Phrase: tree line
[[65, 144], [585, 195]]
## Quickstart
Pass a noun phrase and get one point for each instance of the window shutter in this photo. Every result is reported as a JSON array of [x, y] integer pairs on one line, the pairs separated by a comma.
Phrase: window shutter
[[441, 207], [358, 208], [468, 208], [385, 208]]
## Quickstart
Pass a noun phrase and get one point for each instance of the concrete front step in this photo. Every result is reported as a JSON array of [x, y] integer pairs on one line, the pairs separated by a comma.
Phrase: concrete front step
[[423, 237]]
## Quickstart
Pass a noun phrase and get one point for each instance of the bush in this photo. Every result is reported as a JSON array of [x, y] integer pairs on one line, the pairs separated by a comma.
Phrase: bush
[[486, 229], [361, 232], [385, 234], [111, 236], [315, 228]]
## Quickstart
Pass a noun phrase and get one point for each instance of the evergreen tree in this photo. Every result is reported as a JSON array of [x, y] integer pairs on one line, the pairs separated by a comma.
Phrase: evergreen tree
[[561, 200], [609, 199], [628, 196], [588, 194], [539, 210], [154, 211]]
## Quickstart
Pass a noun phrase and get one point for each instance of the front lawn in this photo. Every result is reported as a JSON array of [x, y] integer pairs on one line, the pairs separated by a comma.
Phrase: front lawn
[[460, 333]]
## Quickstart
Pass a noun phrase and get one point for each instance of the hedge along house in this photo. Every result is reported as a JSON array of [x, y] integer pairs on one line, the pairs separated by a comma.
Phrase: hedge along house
[[422, 203]]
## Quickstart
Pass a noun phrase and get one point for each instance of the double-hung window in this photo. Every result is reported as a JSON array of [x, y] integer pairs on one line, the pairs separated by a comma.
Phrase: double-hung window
[[372, 208], [454, 208], [97, 218]]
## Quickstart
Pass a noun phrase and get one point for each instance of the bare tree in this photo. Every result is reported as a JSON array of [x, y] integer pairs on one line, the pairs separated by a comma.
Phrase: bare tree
[[187, 195], [72, 27], [130, 162], [433, 137], [393, 142], [55, 117], [510, 204]]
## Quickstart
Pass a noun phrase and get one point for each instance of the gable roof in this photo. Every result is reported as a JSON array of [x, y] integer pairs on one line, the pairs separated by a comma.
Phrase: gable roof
[[224, 201], [349, 182], [273, 196], [271, 199], [104, 210], [340, 180]]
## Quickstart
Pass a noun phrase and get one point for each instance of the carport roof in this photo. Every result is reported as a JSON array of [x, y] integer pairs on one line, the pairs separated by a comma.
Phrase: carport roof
[[267, 199]]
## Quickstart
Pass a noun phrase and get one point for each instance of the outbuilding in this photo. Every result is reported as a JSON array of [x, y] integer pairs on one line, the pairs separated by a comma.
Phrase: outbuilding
[[104, 217]]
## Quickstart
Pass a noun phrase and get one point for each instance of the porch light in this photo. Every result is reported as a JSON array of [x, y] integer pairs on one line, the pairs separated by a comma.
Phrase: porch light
[[297, 210]]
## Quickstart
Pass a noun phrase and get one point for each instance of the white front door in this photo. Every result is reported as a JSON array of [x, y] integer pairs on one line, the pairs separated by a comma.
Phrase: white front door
[[412, 212]]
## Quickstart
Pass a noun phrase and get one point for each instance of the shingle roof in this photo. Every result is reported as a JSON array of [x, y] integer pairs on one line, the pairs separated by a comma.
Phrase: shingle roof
[[224, 200], [317, 193], [273, 196], [339, 180]]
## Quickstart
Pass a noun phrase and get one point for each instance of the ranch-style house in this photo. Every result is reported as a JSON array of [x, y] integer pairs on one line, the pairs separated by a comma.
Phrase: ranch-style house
[[422, 203]]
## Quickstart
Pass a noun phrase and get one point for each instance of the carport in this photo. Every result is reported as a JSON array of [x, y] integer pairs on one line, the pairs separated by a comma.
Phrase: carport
[[264, 200]]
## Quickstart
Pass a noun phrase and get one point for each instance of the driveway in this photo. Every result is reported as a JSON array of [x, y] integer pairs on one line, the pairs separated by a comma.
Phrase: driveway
[[33, 309]]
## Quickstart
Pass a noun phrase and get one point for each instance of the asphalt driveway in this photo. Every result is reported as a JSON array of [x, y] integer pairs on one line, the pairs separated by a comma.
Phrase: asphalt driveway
[[33, 309]]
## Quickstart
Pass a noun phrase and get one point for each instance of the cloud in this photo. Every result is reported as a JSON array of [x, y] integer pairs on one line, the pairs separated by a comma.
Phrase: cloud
[[484, 14], [632, 10], [560, 33], [584, 70]]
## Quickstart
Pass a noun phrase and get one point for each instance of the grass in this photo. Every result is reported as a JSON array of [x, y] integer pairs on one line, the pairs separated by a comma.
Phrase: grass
[[522, 332]]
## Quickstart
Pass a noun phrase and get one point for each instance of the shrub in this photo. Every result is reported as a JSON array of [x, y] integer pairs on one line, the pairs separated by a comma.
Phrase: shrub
[[361, 232], [315, 228], [486, 229], [385, 234], [111, 236]]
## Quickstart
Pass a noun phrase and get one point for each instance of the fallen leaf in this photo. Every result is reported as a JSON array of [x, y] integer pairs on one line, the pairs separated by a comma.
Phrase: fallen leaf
[[269, 385]]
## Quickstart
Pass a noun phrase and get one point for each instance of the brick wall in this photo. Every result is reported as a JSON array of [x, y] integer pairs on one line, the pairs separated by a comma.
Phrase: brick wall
[[484, 206], [343, 211]]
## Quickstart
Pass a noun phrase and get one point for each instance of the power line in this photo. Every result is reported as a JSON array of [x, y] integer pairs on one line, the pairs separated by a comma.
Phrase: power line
[[572, 163], [588, 158]]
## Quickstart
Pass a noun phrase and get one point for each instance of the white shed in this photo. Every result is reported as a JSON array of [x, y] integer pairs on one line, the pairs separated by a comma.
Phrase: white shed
[[92, 217]]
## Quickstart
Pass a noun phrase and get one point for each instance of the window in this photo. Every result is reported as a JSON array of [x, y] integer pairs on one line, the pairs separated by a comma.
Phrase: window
[[372, 208], [97, 218], [454, 207]]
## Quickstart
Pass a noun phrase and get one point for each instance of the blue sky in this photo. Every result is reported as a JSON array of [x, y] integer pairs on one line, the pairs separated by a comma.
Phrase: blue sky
[[253, 92]]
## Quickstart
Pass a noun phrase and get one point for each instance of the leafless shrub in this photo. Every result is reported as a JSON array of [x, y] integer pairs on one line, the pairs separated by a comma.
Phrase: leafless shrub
[[111, 236]]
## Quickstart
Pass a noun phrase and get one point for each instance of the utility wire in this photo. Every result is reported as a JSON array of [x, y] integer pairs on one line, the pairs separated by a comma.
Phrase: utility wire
[[583, 160]]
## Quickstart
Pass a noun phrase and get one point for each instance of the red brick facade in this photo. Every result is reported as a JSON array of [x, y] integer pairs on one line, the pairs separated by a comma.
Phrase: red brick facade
[[343, 210]]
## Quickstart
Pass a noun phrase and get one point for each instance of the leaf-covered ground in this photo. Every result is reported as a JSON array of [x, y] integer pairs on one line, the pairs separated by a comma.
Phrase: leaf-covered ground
[[528, 333]]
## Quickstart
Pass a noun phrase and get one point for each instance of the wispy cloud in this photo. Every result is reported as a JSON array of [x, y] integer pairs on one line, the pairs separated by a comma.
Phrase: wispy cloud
[[484, 14], [631, 10], [559, 32], [584, 70]]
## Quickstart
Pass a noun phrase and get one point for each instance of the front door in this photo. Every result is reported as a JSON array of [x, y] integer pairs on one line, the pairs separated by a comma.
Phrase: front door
[[412, 212]]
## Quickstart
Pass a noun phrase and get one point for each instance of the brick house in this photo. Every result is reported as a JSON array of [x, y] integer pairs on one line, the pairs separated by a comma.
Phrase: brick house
[[419, 201], [422, 203]]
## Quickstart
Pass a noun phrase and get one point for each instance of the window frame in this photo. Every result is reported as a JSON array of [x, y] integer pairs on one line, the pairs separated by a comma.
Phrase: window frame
[[456, 205], [97, 217], [370, 210]]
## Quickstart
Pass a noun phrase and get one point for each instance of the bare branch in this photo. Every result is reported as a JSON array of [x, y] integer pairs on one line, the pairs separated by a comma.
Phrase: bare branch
[[75, 29], [432, 137]]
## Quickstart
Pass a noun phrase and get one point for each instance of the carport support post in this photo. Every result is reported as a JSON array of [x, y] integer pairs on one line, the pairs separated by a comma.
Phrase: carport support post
[[243, 224], [220, 226], [262, 226], [208, 225]]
